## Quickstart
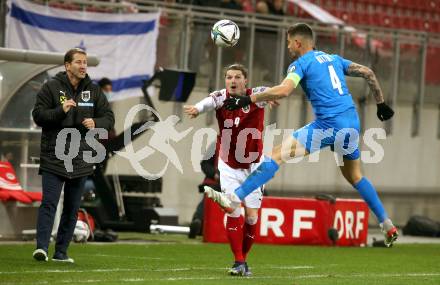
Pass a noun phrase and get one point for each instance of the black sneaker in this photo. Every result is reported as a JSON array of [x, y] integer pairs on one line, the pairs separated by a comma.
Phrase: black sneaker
[[40, 255], [62, 257]]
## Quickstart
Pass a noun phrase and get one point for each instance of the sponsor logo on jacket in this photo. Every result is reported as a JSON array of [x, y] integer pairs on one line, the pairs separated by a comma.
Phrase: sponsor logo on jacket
[[63, 97]]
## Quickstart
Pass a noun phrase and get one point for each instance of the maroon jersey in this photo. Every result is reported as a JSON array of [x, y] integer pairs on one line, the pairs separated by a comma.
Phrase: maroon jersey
[[240, 131]]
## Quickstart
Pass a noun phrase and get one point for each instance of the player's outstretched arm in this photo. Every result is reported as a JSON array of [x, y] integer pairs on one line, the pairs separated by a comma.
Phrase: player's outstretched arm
[[275, 93], [384, 112], [191, 111], [271, 94], [205, 105]]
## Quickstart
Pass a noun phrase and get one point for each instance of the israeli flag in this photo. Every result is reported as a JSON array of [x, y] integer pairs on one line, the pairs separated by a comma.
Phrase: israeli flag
[[125, 43]]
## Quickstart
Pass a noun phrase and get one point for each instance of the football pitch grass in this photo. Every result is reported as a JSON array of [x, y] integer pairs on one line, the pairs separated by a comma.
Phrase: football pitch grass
[[176, 260]]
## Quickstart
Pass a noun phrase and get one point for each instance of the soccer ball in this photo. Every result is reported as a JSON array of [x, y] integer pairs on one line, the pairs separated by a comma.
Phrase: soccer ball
[[82, 232], [225, 33]]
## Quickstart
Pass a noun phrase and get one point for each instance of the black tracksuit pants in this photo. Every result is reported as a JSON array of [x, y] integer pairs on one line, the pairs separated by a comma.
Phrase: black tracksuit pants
[[52, 187]]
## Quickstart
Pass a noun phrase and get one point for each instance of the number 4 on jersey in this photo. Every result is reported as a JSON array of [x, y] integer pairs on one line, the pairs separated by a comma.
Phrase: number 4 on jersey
[[335, 79]]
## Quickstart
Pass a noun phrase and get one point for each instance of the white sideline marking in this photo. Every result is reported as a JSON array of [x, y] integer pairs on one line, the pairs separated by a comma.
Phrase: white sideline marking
[[126, 256], [310, 276], [110, 270], [147, 269], [290, 267]]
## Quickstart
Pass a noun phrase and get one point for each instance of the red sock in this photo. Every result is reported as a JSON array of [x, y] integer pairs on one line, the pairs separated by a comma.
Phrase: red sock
[[248, 238], [234, 229]]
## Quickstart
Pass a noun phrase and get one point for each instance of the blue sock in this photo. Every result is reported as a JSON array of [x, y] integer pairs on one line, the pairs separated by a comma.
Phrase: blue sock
[[257, 178], [369, 194]]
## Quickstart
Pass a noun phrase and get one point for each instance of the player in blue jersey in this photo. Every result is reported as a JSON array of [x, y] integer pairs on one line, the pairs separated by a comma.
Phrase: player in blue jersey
[[322, 77]]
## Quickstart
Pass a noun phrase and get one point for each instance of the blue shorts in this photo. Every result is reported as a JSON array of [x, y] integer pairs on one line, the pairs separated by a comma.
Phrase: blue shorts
[[341, 133]]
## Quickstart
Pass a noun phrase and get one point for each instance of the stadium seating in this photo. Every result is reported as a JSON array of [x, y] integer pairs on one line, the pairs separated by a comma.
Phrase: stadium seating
[[422, 15]]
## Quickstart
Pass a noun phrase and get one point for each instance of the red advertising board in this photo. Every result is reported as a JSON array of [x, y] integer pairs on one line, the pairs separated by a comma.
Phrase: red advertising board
[[298, 221]]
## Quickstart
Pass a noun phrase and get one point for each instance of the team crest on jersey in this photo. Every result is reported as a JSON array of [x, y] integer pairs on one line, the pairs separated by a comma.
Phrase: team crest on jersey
[[85, 96], [246, 109], [63, 97]]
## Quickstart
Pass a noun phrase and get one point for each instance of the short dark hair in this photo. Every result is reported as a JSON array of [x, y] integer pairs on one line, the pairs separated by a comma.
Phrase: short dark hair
[[104, 81], [68, 57], [237, 66], [301, 29]]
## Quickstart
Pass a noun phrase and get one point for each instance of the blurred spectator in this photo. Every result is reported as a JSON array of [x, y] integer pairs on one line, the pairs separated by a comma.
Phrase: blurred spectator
[[106, 87], [276, 7], [231, 4], [212, 3], [262, 7], [247, 5], [273, 7]]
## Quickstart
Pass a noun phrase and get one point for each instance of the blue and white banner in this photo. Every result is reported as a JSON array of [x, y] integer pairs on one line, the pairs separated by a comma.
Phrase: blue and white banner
[[124, 43]]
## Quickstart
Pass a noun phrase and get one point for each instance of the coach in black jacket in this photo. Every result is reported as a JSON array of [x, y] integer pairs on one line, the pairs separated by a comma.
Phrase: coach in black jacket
[[69, 100]]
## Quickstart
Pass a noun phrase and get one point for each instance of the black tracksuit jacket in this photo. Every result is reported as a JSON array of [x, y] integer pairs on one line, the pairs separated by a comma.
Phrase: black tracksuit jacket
[[48, 113]]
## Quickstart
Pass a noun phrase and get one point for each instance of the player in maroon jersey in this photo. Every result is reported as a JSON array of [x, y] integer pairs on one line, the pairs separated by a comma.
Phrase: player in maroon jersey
[[241, 145]]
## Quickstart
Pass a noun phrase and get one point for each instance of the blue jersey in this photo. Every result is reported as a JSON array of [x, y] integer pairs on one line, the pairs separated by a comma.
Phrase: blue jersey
[[322, 77]]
